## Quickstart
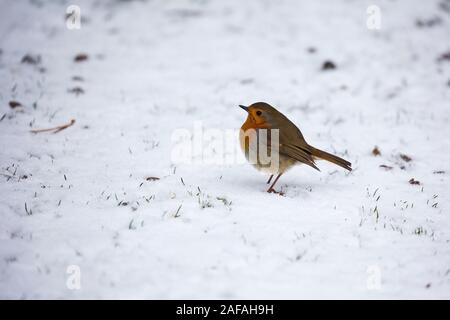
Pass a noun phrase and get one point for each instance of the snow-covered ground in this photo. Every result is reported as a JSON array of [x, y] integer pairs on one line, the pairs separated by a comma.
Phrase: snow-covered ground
[[78, 202]]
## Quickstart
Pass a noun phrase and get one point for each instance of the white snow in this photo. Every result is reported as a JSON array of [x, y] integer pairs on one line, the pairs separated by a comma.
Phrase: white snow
[[157, 66]]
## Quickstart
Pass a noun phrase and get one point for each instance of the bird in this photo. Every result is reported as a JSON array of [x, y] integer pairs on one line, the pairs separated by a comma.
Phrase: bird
[[291, 147]]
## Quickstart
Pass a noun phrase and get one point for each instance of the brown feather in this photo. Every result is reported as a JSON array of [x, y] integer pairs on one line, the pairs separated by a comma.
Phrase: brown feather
[[332, 158]]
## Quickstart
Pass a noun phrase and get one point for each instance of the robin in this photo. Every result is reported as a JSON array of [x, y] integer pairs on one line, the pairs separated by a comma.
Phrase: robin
[[286, 145]]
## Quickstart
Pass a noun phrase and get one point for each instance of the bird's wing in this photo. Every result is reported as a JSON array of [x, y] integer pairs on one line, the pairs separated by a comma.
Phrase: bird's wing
[[293, 145], [298, 154]]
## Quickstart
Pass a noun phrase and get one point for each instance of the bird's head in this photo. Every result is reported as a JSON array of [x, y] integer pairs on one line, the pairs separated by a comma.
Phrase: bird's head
[[260, 115]]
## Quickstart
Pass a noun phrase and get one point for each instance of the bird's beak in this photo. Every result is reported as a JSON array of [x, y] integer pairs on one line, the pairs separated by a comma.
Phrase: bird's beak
[[243, 107]]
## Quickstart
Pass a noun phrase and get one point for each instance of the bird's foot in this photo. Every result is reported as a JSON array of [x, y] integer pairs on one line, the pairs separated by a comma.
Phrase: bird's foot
[[271, 190]]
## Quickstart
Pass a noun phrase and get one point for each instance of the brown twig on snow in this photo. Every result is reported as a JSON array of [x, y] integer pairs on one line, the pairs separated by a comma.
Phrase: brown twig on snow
[[55, 129]]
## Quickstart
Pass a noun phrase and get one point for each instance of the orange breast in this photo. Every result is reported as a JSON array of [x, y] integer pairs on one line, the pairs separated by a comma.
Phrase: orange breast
[[249, 124], [245, 139]]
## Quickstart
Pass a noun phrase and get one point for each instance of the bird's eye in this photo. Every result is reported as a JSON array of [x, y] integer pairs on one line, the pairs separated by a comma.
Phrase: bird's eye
[[258, 113]]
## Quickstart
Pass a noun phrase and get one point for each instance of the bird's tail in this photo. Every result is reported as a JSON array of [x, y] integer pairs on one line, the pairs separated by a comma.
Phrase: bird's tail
[[330, 157]]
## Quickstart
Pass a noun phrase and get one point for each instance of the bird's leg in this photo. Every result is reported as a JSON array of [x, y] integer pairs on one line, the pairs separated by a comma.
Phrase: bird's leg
[[271, 189], [270, 179]]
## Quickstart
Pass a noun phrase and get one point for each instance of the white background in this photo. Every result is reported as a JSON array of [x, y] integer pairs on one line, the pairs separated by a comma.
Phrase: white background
[[155, 66]]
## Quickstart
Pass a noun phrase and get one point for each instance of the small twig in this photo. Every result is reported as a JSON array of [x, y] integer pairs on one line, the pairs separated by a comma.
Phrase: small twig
[[28, 211], [178, 211], [55, 129]]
